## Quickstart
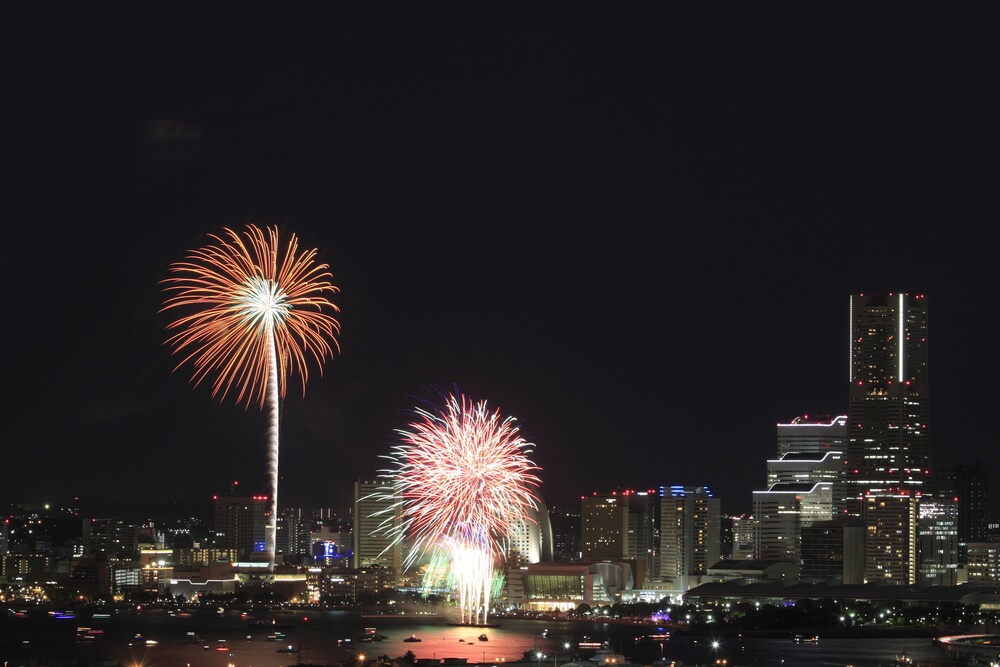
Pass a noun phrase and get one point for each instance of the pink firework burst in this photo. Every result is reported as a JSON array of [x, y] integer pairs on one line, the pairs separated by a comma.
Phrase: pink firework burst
[[460, 466]]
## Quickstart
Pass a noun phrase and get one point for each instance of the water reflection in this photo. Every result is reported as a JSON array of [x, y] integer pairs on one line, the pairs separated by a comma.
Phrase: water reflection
[[323, 637]]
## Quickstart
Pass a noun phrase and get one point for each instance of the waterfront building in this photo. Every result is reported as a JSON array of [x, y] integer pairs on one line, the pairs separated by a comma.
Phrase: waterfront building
[[544, 587]]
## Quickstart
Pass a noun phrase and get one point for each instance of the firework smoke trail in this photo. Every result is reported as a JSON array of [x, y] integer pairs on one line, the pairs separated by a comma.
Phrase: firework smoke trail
[[250, 316], [462, 480]]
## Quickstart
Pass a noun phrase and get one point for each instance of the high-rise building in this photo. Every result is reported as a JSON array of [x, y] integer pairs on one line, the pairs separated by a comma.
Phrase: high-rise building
[[239, 523], [804, 485], [937, 531], [566, 529], [689, 535], [783, 511], [110, 539], [889, 437], [891, 548], [618, 526], [377, 517], [293, 530], [967, 485]]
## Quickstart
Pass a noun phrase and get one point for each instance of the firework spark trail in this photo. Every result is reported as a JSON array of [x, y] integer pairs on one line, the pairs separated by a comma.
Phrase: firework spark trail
[[472, 569], [462, 481], [251, 316]]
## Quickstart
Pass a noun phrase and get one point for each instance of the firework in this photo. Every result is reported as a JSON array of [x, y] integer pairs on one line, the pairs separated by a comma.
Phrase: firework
[[462, 481], [250, 314]]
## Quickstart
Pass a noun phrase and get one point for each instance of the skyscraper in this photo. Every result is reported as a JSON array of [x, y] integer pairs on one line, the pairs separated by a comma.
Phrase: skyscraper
[[377, 516], [889, 438], [689, 534]]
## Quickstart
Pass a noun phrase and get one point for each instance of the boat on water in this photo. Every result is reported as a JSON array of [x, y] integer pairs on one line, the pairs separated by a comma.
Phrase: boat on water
[[288, 649], [412, 638], [605, 655], [483, 638]]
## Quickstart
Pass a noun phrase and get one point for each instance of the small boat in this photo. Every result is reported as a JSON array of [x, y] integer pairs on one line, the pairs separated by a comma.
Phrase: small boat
[[412, 638], [483, 638], [288, 649]]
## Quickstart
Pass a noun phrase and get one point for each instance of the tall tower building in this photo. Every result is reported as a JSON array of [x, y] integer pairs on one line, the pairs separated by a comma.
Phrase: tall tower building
[[377, 516], [689, 534], [889, 438], [967, 485]]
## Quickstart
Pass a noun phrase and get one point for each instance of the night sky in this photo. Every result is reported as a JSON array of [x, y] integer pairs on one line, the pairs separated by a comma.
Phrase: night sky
[[635, 229]]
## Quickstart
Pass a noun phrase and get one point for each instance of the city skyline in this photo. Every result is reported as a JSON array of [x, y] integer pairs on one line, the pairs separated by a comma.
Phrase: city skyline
[[635, 232]]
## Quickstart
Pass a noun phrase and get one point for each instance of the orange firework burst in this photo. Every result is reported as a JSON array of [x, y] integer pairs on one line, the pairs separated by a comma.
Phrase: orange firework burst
[[245, 298], [251, 315]]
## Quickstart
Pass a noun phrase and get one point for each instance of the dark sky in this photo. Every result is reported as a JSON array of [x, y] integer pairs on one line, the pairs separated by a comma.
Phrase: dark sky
[[635, 228]]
